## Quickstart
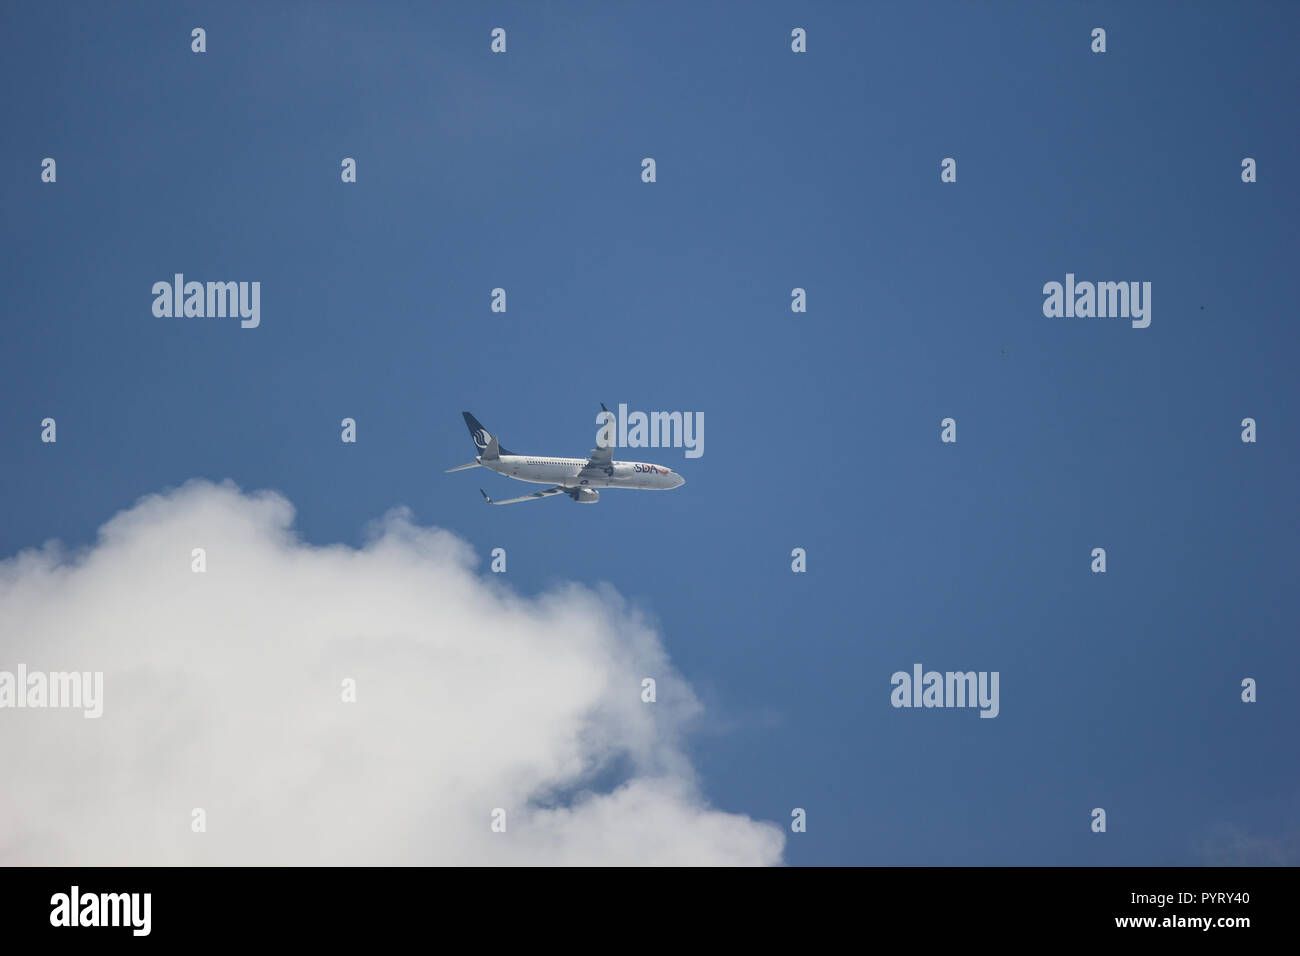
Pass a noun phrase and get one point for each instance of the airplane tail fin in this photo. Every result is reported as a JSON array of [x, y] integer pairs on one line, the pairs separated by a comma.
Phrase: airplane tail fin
[[489, 449]]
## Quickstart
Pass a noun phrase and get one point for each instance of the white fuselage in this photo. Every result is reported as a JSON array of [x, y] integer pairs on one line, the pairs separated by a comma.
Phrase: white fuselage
[[564, 472]]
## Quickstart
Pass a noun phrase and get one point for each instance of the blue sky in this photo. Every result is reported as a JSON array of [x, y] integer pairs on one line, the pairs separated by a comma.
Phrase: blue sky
[[775, 171]]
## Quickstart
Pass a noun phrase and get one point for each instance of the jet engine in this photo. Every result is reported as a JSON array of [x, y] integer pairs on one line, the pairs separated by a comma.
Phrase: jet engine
[[585, 496]]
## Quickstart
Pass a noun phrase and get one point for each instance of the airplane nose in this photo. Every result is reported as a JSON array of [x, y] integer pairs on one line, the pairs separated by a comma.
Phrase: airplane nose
[[680, 481]]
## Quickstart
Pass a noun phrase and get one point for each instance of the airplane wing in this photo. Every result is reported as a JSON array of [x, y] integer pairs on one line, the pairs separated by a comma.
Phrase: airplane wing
[[601, 463], [601, 460], [544, 493]]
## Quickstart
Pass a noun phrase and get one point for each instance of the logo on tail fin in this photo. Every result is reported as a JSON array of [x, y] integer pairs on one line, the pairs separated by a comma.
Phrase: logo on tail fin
[[483, 439]]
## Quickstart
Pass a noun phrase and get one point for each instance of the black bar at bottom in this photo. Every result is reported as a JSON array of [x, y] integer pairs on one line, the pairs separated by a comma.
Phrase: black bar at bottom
[[374, 905]]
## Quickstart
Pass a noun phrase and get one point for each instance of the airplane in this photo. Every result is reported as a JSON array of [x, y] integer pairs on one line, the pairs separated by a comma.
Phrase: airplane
[[576, 477]]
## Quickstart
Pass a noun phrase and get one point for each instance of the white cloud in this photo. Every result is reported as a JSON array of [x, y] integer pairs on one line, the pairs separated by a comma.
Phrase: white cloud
[[1232, 845], [222, 690]]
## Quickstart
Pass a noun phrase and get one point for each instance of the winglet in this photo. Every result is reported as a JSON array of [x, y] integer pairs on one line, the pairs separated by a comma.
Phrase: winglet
[[485, 495], [603, 408]]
